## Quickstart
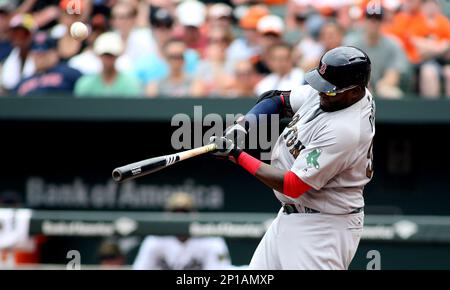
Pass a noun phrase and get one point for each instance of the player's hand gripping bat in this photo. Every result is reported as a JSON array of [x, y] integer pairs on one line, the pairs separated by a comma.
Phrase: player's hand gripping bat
[[151, 165]]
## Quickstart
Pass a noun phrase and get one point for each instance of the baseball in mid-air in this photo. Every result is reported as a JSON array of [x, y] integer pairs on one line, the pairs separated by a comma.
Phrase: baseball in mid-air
[[79, 30]]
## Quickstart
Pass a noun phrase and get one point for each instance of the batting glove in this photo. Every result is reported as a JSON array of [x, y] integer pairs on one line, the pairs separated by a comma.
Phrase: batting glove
[[237, 133], [225, 147]]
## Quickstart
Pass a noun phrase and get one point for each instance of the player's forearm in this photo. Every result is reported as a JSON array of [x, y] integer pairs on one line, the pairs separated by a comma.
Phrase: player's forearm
[[271, 176], [283, 181]]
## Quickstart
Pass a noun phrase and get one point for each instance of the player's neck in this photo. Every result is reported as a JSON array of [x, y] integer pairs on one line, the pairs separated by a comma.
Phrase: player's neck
[[355, 98]]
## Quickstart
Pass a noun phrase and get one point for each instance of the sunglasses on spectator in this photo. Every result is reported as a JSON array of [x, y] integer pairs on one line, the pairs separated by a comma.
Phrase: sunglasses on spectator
[[175, 56], [108, 55], [271, 35], [162, 25], [335, 92], [123, 16], [301, 18], [217, 40], [244, 73]]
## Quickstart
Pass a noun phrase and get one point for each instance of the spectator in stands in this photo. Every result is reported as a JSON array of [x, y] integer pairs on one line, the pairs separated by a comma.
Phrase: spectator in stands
[[284, 76], [270, 29], [309, 50], [138, 40], [153, 6], [51, 77], [220, 15], [435, 49], [212, 77], [47, 12], [178, 83], [191, 16], [153, 66], [182, 252], [5, 42], [245, 80], [407, 25], [67, 45], [266, 2], [110, 82], [425, 34], [19, 63], [339, 10], [88, 62], [296, 13], [110, 254], [247, 47], [331, 35], [296, 17], [389, 62]]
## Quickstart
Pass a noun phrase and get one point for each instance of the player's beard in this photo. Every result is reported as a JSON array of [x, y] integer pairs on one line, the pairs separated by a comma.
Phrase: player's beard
[[327, 105]]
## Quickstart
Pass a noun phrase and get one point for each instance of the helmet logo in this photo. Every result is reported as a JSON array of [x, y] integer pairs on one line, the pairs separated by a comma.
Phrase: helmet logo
[[323, 68]]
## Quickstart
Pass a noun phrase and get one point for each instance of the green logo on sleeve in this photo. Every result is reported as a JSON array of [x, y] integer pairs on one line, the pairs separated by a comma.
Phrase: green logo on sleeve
[[311, 158]]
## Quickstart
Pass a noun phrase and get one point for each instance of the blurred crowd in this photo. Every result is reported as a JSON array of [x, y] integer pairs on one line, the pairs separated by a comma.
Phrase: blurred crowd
[[207, 49]]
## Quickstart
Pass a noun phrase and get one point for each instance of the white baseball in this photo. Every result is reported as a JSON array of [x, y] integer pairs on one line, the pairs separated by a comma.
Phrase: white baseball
[[79, 30]]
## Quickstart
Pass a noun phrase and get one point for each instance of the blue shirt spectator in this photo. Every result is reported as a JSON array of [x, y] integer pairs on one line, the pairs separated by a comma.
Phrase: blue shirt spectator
[[51, 76], [154, 68], [5, 49]]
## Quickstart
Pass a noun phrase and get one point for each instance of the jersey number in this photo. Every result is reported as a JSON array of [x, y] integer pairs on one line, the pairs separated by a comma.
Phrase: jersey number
[[369, 169]]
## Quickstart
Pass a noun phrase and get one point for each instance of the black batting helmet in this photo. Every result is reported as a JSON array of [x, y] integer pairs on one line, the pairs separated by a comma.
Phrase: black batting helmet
[[340, 68]]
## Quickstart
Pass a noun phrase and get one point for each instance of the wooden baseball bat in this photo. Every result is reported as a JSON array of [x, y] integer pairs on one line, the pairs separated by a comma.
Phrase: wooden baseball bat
[[154, 164]]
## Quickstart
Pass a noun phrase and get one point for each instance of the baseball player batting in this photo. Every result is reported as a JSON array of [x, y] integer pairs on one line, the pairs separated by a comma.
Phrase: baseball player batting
[[320, 164]]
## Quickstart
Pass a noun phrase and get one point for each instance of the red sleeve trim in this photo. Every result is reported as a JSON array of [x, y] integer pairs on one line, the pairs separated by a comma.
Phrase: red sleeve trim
[[250, 163], [282, 98], [293, 186]]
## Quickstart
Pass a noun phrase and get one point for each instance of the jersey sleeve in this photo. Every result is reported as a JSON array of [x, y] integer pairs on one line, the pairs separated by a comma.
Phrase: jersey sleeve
[[299, 95], [218, 256], [325, 157]]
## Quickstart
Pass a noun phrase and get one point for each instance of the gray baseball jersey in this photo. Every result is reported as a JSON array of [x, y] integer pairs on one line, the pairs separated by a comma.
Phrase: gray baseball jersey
[[330, 151]]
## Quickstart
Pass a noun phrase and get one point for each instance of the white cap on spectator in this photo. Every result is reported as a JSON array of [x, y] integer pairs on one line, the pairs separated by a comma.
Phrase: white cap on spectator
[[8, 5], [108, 43], [220, 10], [270, 24], [191, 13], [392, 4]]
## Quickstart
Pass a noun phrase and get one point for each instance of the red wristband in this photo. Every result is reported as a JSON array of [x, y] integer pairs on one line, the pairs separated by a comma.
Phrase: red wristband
[[250, 163], [293, 186]]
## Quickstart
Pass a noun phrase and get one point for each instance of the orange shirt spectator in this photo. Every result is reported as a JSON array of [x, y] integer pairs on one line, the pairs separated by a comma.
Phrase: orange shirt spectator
[[409, 27], [275, 2]]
